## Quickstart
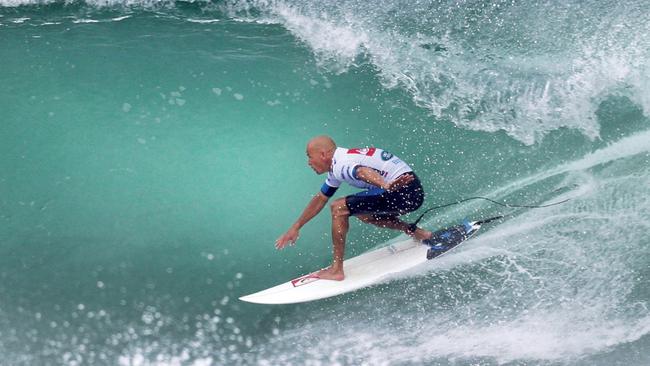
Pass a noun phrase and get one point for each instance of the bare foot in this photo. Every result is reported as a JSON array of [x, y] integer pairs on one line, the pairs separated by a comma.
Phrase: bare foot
[[420, 234], [330, 274]]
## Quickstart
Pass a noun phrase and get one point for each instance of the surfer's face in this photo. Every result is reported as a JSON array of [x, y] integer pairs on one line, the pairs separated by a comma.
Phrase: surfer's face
[[317, 161]]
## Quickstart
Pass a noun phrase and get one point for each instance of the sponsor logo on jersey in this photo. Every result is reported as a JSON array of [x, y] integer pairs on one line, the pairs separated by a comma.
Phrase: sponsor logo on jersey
[[385, 156], [365, 151]]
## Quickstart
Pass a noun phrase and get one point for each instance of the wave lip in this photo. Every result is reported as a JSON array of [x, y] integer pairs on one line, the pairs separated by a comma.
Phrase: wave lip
[[336, 45], [504, 75]]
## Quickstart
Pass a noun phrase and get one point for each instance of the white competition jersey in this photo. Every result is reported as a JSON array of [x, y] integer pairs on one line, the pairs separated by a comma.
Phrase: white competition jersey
[[346, 161]]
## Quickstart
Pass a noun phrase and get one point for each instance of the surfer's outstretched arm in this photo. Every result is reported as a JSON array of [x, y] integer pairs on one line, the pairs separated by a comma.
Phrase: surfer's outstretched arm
[[313, 208]]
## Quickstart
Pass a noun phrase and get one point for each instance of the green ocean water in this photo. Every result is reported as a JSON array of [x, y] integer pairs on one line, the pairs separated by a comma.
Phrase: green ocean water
[[152, 152]]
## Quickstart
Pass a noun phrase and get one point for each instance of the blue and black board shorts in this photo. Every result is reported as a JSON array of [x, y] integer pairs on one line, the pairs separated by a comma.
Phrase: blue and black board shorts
[[383, 204]]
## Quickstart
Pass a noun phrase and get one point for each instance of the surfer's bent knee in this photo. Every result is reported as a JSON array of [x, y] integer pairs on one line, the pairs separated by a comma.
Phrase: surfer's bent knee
[[339, 208]]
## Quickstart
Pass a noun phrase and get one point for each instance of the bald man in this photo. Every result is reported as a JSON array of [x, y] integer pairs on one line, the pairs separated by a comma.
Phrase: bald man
[[390, 188]]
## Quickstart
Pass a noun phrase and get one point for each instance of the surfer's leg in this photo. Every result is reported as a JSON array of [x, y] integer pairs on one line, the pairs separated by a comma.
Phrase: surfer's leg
[[389, 222], [340, 225], [393, 222]]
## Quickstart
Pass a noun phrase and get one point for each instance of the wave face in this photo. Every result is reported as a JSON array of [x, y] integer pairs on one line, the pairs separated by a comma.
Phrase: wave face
[[515, 67], [152, 151]]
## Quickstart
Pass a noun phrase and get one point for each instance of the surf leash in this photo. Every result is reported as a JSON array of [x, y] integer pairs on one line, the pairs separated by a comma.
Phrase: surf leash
[[413, 226]]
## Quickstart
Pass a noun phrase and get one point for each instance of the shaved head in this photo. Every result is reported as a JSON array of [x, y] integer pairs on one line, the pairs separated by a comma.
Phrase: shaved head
[[320, 151], [321, 143]]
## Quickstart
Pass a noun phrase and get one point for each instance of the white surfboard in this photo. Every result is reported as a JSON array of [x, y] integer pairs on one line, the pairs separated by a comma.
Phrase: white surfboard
[[367, 269]]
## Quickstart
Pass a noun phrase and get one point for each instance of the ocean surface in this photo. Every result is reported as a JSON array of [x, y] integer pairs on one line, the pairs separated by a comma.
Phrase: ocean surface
[[152, 151]]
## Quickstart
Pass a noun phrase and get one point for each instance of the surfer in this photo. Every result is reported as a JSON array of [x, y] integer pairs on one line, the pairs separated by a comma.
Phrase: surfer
[[391, 189]]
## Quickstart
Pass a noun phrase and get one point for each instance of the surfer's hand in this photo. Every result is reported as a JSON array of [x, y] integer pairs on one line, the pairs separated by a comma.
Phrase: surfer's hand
[[289, 237], [402, 181]]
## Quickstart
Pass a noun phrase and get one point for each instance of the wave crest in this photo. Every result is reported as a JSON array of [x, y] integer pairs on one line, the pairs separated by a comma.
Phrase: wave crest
[[482, 69]]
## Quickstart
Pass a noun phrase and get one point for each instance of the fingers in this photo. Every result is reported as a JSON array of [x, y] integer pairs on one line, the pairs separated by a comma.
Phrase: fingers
[[400, 182], [281, 243], [406, 178], [284, 240]]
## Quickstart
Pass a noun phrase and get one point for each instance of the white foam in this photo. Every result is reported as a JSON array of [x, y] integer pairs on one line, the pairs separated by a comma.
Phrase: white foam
[[119, 19], [335, 45], [204, 21], [626, 147], [15, 3], [94, 3], [544, 335], [85, 21]]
